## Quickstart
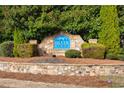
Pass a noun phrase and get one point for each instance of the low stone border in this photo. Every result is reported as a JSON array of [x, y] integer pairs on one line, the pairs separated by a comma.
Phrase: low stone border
[[64, 69]]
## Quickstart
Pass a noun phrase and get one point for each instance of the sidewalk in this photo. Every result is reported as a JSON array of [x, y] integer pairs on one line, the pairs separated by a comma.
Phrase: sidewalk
[[13, 83]]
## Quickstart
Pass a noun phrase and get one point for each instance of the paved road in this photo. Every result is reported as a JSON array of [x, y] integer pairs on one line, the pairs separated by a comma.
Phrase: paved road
[[13, 83]]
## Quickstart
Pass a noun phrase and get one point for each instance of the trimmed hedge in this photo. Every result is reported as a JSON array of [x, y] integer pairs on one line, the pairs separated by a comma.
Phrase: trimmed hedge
[[6, 49], [73, 53], [26, 50], [92, 50]]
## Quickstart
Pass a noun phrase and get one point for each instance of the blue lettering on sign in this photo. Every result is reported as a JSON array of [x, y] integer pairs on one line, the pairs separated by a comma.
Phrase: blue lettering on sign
[[61, 42]]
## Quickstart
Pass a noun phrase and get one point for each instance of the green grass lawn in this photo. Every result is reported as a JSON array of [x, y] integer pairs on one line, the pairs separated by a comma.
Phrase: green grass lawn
[[115, 81]]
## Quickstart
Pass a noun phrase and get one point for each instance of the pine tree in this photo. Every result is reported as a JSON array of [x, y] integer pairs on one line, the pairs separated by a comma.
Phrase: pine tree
[[109, 34]]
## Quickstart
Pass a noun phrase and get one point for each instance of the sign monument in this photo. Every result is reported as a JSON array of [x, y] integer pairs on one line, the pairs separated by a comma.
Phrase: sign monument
[[62, 42]]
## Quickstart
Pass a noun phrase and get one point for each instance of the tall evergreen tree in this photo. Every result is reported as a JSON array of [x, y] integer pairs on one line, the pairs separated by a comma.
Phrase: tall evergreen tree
[[109, 34]]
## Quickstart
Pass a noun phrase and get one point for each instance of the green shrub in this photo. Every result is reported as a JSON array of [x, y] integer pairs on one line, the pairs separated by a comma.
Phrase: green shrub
[[112, 56], [6, 49], [19, 38], [73, 53], [121, 50], [121, 57], [92, 50], [115, 57], [15, 50], [26, 50]]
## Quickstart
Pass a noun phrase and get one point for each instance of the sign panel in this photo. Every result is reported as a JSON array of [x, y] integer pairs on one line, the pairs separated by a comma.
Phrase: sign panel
[[61, 42]]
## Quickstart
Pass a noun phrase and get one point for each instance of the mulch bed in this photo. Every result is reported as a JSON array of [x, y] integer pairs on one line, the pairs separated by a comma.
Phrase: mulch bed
[[86, 81], [62, 59]]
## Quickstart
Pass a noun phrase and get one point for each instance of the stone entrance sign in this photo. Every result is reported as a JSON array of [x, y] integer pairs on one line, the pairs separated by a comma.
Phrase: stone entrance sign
[[59, 43]]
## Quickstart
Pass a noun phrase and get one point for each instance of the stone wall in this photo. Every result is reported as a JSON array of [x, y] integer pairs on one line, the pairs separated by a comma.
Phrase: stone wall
[[63, 69], [46, 46]]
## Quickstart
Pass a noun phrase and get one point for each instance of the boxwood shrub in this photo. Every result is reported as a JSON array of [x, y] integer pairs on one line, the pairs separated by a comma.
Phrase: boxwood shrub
[[6, 49], [26, 50], [73, 53], [93, 50]]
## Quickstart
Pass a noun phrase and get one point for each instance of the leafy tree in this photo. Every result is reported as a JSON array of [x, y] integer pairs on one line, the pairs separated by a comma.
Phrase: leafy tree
[[37, 22], [121, 17], [33, 21], [81, 20], [0, 24], [7, 23], [109, 34]]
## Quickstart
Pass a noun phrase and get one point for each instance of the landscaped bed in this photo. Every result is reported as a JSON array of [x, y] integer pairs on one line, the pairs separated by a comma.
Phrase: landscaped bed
[[84, 81], [46, 59], [73, 80]]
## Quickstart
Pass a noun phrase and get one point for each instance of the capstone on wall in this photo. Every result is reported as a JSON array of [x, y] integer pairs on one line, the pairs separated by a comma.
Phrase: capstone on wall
[[47, 45]]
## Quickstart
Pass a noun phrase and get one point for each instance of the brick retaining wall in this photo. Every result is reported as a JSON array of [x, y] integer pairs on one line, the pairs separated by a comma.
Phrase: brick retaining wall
[[63, 69]]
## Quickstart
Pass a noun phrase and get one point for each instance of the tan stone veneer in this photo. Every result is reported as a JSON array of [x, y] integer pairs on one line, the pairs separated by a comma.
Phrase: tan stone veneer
[[63, 69], [47, 44]]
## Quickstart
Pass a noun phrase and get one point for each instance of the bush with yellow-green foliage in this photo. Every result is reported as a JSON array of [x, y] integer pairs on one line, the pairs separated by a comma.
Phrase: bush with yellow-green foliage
[[19, 38], [109, 34], [93, 50], [26, 50]]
